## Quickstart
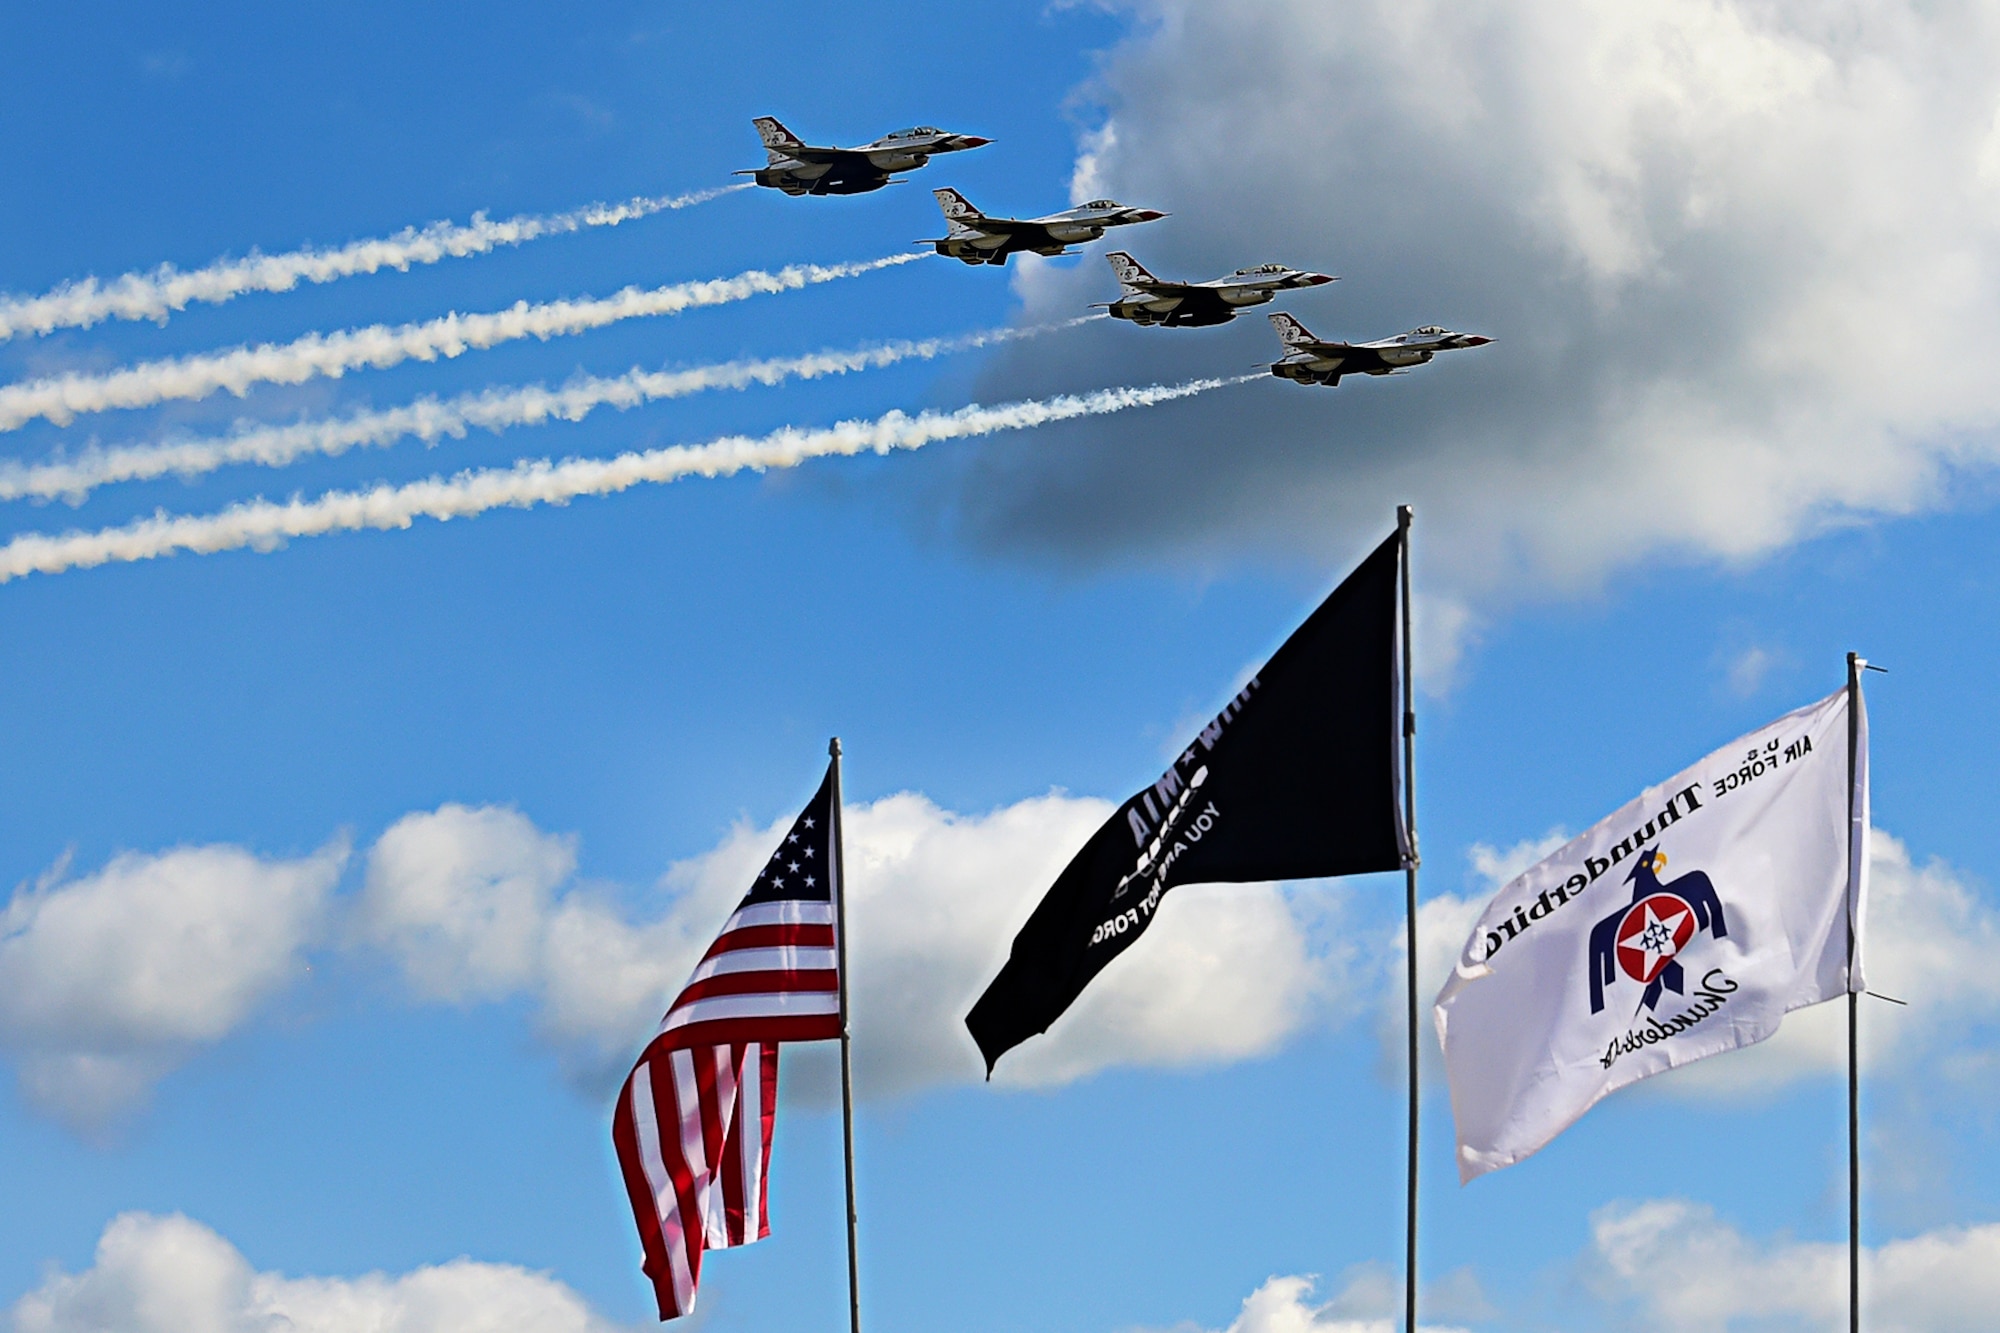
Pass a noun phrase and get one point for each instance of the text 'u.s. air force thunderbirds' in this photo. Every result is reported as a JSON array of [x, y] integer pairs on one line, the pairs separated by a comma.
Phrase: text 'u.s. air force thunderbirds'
[[978, 239], [1187, 305], [1310, 360], [799, 168]]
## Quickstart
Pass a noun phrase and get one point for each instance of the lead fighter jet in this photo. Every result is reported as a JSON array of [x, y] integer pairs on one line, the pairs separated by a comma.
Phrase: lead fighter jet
[[798, 168], [1309, 360], [978, 239], [1147, 300]]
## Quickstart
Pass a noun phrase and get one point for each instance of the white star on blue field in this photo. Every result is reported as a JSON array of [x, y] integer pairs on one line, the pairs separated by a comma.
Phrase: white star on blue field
[[426, 602]]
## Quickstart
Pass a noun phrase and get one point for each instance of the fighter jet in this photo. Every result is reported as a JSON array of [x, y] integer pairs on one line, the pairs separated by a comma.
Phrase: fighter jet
[[978, 239], [1147, 300], [798, 168], [1308, 360]]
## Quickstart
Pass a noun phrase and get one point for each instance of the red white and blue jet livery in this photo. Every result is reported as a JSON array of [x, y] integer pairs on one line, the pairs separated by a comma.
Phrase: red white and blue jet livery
[[1310, 360], [978, 239], [799, 168], [1186, 305]]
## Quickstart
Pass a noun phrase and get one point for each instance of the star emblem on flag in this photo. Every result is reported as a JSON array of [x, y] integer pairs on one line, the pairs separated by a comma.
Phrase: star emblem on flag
[[1653, 931]]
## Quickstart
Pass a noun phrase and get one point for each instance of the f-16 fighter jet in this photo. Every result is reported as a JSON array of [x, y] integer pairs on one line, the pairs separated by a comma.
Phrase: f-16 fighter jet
[[799, 168], [1147, 300], [1308, 360], [978, 239]]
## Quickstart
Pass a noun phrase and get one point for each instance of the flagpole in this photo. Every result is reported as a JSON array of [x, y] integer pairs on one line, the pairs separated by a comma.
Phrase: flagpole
[[1854, 668], [846, 1058], [1404, 513]]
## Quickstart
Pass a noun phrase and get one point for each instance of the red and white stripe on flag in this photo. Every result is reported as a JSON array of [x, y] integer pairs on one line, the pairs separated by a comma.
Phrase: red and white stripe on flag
[[693, 1123]]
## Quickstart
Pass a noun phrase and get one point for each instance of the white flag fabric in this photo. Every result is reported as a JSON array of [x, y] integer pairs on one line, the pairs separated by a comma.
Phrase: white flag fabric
[[1687, 924]]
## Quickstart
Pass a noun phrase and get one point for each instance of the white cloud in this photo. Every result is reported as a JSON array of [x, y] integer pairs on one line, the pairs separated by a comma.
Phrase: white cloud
[[1686, 1269], [1371, 1302], [460, 897], [110, 981], [1740, 256], [467, 900], [1674, 1266], [172, 1275], [1498, 865], [604, 981], [1748, 668]]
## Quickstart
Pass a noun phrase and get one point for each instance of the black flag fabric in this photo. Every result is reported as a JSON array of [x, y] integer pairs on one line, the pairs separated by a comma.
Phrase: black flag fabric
[[1296, 778]]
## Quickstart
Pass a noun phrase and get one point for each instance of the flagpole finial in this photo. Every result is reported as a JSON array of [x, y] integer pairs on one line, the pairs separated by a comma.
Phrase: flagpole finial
[[833, 747], [1404, 513]]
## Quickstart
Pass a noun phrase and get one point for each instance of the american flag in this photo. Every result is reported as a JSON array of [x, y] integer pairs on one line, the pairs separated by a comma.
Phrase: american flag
[[693, 1122]]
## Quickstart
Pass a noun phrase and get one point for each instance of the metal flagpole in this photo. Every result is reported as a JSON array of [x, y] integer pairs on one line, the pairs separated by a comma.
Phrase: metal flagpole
[[846, 1059], [1854, 669], [1404, 513]]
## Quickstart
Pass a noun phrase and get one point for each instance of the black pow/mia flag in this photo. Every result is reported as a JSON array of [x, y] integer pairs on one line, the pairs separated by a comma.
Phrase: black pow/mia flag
[[1296, 778]]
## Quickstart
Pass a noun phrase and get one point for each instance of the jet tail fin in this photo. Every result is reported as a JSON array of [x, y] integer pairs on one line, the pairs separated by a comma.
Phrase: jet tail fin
[[1291, 332], [1130, 272], [955, 207], [775, 136]]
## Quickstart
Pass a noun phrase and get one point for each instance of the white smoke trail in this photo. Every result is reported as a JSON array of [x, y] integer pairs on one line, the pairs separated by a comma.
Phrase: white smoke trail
[[166, 289], [430, 419], [264, 525], [61, 398]]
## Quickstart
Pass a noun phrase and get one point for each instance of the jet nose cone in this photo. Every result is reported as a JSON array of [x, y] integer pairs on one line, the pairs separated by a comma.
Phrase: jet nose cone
[[972, 141], [1147, 214], [1319, 279], [1475, 340]]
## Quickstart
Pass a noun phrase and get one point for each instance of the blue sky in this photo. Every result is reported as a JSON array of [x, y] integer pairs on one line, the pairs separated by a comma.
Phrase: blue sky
[[456, 798]]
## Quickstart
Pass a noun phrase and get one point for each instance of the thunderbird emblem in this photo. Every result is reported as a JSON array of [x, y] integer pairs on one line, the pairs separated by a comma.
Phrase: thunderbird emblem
[[1643, 940]]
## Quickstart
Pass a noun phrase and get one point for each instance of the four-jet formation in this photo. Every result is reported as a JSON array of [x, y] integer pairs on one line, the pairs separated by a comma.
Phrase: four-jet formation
[[1310, 360], [798, 168], [978, 239], [971, 236], [1188, 305]]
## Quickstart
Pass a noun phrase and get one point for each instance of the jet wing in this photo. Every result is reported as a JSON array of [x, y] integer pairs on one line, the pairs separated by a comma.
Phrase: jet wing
[[1002, 226], [959, 230], [826, 156], [1174, 305], [1354, 358]]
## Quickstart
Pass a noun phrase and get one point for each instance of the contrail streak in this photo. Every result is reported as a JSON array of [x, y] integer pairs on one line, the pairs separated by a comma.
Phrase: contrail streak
[[61, 398], [265, 525], [430, 419], [156, 294]]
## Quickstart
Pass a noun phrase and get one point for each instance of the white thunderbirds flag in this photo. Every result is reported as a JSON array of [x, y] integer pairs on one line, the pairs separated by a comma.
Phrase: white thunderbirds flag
[[1685, 925]]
